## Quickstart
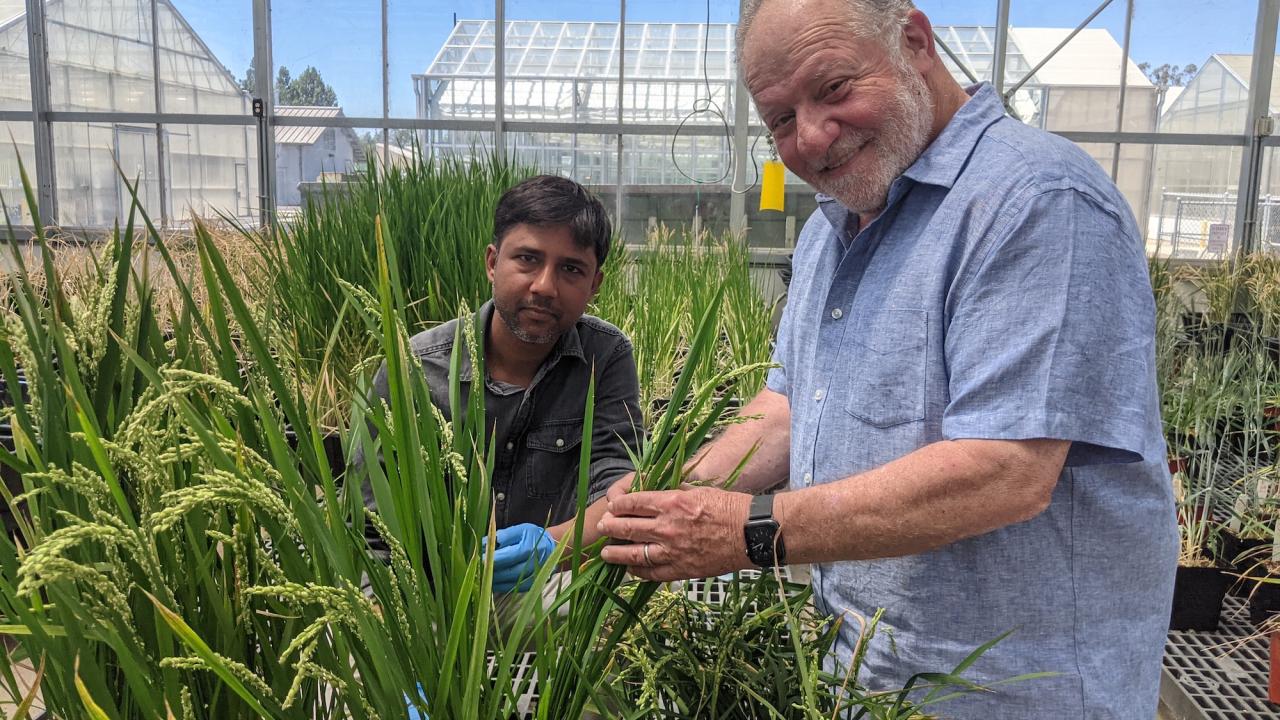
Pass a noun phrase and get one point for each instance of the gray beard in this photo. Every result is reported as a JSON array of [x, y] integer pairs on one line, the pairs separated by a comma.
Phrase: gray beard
[[904, 139]]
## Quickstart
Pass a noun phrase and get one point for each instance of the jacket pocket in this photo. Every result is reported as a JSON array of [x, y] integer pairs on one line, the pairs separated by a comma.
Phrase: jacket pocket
[[552, 467]]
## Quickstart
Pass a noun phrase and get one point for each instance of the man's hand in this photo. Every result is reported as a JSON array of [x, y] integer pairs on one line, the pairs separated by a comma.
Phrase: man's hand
[[676, 534], [522, 549]]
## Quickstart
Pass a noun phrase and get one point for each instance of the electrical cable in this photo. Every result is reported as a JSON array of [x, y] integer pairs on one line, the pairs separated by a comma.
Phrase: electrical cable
[[708, 106]]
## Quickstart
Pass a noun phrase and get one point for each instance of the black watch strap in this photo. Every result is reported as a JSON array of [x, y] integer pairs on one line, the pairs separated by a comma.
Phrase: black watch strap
[[764, 543], [761, 508]]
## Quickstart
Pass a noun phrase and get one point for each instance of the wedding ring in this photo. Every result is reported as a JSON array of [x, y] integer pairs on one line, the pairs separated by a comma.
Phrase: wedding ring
[[647, 562]]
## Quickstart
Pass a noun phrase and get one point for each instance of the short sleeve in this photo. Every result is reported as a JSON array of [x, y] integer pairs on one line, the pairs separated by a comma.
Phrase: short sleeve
[[1051, 334]]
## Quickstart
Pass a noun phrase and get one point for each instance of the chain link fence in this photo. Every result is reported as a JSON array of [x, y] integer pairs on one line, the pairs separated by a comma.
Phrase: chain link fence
[[1200, 225]]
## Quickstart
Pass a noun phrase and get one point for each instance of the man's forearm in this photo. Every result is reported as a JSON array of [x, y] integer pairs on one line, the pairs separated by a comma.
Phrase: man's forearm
[[939, 494], [590, 534], [770, 435]]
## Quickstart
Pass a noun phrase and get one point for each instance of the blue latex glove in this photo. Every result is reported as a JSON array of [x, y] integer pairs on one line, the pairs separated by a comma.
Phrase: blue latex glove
[[415, 713], [522, 549]]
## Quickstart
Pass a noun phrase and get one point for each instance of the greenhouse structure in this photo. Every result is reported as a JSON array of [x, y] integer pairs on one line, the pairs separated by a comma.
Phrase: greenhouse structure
[[733, 359]]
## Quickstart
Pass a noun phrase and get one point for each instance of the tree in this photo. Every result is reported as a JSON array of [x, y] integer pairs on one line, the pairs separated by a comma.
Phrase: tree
[[250, 81], [1167, 76], [307, 89]]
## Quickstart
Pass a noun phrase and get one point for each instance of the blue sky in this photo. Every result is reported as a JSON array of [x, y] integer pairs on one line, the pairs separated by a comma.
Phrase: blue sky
[[342, 38]]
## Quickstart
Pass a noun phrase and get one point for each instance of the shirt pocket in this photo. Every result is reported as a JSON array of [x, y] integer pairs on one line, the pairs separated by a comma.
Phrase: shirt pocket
[[552, 466], [886, 361]]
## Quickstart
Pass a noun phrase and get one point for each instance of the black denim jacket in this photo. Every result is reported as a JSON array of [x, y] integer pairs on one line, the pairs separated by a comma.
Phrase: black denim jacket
[[539, 430]]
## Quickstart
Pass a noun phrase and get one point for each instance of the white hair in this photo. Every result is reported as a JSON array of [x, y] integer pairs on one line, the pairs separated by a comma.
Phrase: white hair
[[881, 19]]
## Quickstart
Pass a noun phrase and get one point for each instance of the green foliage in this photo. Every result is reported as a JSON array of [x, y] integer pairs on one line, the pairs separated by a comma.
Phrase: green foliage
[[1167, 75], [653, 293], [731, 657], [1220, 393], [249, 83], [306, 89], [439, 214]]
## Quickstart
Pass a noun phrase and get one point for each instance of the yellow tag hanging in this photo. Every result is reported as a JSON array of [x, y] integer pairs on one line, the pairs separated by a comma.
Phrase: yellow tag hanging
[[772, 196]]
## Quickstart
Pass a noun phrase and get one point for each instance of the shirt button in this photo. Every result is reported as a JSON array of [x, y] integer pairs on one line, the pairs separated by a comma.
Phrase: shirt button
[[808, 479], [837, 313], [501, 497], [510, 446], [817, 395], [559, 442]]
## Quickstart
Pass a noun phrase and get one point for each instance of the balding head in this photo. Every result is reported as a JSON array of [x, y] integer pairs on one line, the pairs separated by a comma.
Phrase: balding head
[[881, 19]]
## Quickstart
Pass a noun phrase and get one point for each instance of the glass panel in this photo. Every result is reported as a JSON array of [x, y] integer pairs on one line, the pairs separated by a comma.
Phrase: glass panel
[[574, 82], [15, 68], [91, 193], [1199, 71], [458, 82], [13, 201], [209, 169], [100, 55], [1269, 204], [698, 158], [213, 169], [1078, 86], [331, 57], [1193, 194], [967, 28], [589, 159], [324, 158], [665, 84], [206, 49], [457, 143]]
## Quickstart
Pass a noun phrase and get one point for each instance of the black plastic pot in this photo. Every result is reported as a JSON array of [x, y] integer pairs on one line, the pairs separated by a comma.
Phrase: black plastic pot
[[1231, 547], [1197, 598], [1264, 601]]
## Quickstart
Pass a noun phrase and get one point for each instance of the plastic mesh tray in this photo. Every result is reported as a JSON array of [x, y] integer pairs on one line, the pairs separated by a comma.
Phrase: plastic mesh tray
[[1218, 675]]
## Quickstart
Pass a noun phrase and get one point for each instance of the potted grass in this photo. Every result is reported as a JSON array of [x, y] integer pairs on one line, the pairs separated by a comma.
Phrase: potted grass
[[1200, 584]]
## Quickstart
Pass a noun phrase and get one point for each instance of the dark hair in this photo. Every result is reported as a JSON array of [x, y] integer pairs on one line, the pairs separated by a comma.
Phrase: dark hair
[[545, 200]]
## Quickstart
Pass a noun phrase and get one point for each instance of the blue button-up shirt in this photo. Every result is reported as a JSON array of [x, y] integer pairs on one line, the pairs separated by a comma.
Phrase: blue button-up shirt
[[1002, 294]]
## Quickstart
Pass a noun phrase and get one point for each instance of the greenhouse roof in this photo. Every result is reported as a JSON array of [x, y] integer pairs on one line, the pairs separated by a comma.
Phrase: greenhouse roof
[[10, 10], [539, 48], [297, 135], [1239, 66], [1092, 58], [548, 49]]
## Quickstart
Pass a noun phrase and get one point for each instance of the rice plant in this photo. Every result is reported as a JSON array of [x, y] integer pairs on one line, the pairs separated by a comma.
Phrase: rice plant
[[653, 294], [177, 556], [437, 211]]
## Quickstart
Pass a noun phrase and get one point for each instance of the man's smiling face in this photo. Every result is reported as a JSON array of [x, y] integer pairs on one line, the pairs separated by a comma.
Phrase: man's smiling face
[[847, 113]]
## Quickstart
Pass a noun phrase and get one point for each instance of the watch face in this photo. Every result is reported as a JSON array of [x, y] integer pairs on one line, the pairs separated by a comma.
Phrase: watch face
[[759, 537]]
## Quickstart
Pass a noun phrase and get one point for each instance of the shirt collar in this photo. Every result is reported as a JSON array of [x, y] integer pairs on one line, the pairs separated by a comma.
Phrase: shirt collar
[[946, 156], [568, 345]]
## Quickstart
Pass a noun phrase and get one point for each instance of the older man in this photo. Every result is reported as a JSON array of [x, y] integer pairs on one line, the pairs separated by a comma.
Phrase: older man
[[966, 407]]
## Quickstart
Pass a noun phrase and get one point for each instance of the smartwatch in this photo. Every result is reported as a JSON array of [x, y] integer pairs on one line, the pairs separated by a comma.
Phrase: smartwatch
[[764, 543]]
